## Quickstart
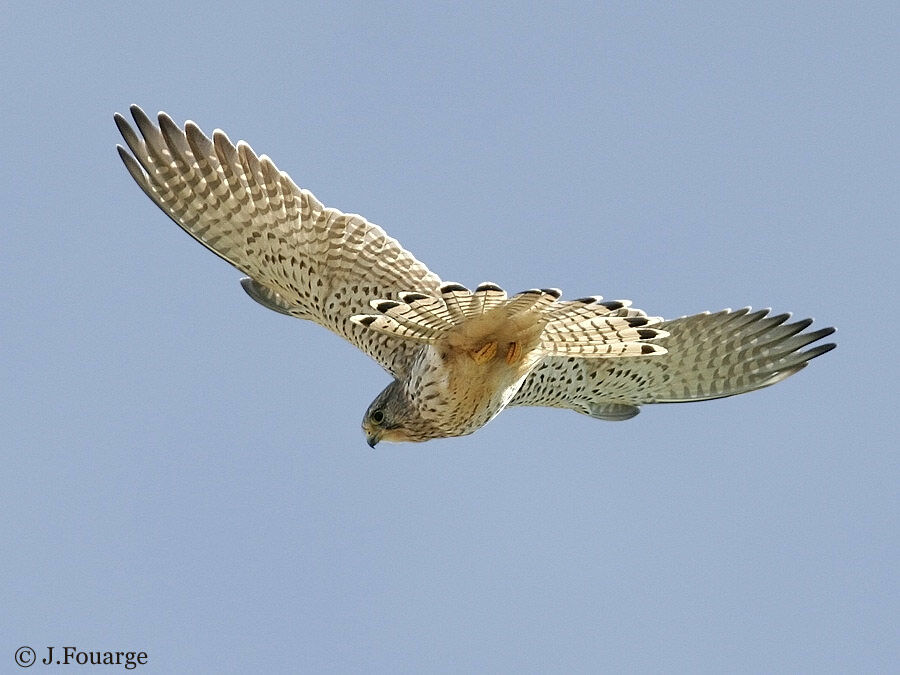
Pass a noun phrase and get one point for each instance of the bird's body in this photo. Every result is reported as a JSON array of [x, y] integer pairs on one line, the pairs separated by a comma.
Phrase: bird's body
[[465, 380], [458, 357]]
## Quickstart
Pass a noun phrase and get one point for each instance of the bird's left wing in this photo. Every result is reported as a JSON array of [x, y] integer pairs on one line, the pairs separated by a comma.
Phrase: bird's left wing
[[302, 258], [708, 356]]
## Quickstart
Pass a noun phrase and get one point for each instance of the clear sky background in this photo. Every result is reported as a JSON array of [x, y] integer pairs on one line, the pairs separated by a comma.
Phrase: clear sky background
[[184, 472]]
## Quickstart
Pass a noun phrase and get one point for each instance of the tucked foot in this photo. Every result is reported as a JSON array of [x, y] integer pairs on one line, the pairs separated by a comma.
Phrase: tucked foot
[[513, 352], [487, 351]]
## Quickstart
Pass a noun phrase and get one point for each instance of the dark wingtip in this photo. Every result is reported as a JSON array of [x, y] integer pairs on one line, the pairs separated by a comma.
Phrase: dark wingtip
[[818, 351], [123, 126], [802, 324], [139, 115]]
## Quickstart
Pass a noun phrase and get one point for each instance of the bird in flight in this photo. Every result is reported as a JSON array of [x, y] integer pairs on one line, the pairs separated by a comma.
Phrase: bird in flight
[[458, 357]]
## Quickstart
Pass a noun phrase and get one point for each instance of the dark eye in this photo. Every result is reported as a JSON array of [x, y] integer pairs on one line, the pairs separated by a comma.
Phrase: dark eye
[[378, 417]]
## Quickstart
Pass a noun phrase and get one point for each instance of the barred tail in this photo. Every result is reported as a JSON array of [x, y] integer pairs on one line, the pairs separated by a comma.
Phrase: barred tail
[[587, 327]]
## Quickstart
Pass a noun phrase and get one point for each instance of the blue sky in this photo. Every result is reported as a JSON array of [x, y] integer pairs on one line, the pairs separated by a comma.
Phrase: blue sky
[[185, 472]]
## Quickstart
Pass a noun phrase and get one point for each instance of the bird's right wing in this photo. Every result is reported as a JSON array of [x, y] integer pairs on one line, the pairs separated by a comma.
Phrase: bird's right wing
[[302, 258], [709, 356]]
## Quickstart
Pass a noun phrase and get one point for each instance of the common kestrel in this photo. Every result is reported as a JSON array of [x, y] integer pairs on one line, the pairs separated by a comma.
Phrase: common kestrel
[[458, 357]]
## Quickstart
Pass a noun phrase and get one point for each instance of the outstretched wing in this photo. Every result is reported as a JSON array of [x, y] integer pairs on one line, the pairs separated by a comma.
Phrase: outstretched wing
[[709, 356], [302, 258]]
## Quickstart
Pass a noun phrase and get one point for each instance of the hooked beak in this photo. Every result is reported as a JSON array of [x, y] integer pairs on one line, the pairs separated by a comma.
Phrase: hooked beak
[[372, 438]]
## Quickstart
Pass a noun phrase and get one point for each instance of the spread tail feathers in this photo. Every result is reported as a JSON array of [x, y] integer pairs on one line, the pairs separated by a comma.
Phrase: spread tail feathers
[[587, 327]]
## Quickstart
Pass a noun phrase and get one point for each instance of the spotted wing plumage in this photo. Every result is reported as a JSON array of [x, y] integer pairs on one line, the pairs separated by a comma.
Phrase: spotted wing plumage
[[709, 356], [302, 258]]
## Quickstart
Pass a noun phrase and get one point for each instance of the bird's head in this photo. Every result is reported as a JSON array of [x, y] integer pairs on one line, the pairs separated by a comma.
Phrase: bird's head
[[392, 417]]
